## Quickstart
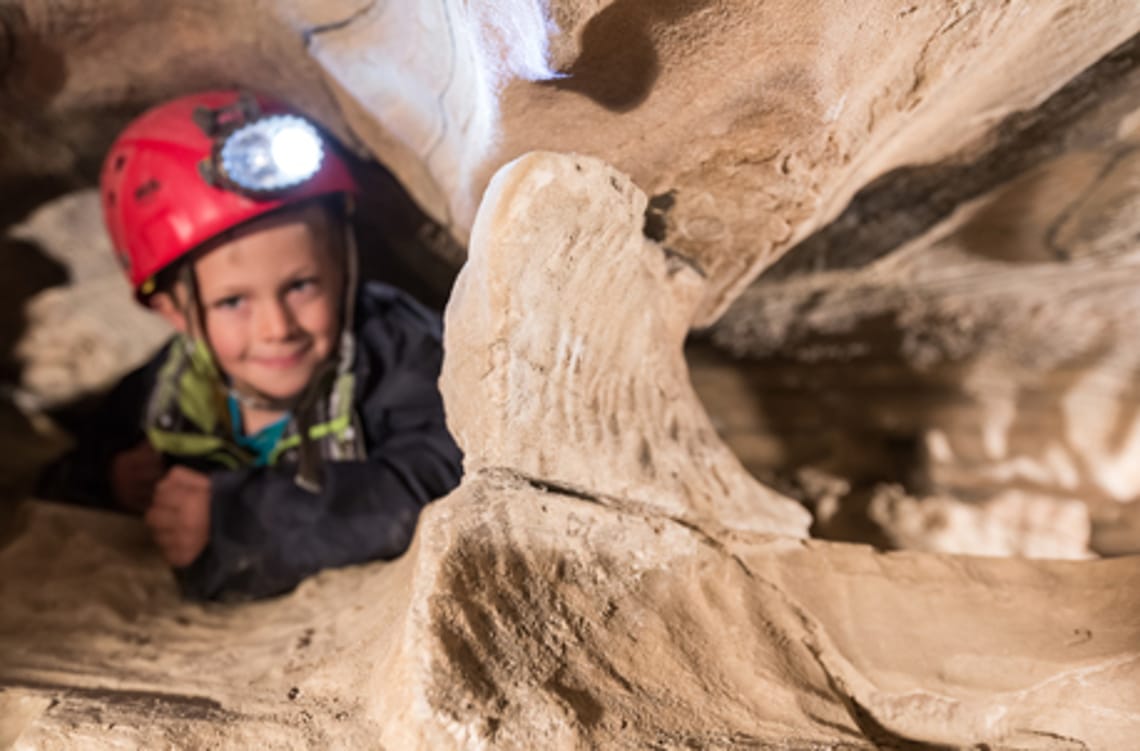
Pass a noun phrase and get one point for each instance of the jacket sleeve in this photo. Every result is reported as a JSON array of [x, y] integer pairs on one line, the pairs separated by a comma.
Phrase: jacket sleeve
[[267, 533]]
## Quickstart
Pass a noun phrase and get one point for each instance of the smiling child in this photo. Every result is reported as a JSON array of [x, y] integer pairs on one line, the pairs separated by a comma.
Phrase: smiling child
[[294, 422]]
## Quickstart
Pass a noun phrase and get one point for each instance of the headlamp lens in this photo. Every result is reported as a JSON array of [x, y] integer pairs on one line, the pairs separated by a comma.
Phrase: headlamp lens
[[272, 153]]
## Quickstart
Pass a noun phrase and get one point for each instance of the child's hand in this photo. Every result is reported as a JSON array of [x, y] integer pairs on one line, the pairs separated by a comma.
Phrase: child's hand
[[134, 474], [179, 518]]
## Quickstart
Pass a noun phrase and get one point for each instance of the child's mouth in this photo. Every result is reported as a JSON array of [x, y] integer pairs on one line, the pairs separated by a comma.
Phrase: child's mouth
[[281, 361]]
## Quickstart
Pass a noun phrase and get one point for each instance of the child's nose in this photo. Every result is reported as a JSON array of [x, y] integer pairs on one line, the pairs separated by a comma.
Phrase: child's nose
[[275, 321]]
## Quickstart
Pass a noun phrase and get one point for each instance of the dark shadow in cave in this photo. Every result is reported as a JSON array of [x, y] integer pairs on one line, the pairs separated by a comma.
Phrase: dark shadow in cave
[[857, 417], [848, 406], [401, 245], [28, 271], [907, 201], [618, 64]]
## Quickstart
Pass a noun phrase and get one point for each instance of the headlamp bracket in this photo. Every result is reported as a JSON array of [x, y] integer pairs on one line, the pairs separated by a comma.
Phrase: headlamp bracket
[[216, 123]]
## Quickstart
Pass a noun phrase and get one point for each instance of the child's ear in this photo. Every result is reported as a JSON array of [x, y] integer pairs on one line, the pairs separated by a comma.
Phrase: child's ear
[[163, 303]]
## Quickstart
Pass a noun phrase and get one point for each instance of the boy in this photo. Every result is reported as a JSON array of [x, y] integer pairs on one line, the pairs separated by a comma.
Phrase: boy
[[294, 422]]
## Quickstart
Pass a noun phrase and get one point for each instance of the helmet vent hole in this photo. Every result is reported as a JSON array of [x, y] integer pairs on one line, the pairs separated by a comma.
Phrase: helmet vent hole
[[111, 198], [120, 162]]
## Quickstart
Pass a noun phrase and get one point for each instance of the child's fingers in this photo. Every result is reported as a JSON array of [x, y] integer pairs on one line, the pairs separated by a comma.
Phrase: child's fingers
[[174, 492], [169, 537], [168, 483], [165, 496], [178, 475], [181, 555], [173, 485], [178, 549], [165, 538], [175, 554], [162, 517], [170, 512], [178, 516]]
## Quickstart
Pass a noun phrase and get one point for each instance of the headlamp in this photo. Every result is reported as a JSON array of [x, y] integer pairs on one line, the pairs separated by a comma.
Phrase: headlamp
[[270, 154]]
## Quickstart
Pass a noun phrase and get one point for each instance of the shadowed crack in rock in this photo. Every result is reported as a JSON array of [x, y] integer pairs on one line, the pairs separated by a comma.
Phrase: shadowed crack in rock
[[311, 33], [8, 21], [81, 700], [908, 201]]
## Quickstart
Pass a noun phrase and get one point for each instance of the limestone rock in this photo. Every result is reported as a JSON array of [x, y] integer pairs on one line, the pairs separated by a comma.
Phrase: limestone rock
[[994, 353], [539, 612], [82, 337], [523, 617], [901, 177], [754, 122], [1011, 523], [564, 351]]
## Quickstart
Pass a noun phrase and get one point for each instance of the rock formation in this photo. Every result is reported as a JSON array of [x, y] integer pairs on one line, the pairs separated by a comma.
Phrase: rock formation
[[578, 601], [916, 228]]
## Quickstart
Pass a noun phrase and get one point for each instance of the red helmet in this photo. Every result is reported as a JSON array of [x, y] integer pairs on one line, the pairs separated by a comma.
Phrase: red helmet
[[197, 166]]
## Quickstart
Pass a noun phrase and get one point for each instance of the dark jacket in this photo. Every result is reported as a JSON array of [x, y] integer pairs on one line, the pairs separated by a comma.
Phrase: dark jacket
[[266, 532]]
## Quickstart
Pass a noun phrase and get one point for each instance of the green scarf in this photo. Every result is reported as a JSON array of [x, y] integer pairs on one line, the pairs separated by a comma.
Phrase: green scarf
[[188, 417]]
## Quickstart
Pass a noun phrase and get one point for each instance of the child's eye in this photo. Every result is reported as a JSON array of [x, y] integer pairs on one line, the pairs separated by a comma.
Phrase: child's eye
[[305, 284], [233, 302]]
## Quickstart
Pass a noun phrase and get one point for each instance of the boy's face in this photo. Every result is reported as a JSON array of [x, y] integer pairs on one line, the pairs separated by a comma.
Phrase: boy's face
[[271, 301]]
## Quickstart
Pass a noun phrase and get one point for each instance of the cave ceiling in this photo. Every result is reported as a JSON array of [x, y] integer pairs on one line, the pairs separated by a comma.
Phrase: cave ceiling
[[751, 125]]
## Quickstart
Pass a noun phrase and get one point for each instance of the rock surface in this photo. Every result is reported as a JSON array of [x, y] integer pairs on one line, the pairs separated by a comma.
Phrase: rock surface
[[752, 123], [564, 358], [526, 618], [940, 203], [992, 353], [80, 337], [559, 612]]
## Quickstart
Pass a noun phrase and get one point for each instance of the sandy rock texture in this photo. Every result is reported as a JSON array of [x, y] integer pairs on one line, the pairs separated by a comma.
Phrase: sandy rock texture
[[526, 618], [564, 611], [910, 232]]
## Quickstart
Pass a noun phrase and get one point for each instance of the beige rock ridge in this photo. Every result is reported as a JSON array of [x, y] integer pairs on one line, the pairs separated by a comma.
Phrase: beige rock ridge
[[552, 610], [564, 359]]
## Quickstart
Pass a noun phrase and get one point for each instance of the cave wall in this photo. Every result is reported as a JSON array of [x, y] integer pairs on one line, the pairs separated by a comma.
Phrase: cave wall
[[914, 225]]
